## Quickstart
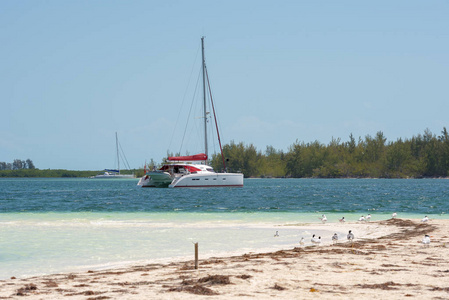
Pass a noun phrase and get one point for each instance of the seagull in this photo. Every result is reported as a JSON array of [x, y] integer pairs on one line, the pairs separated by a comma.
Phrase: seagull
[[368, 217], [426, 240], [425, 219], [394, 215], [315, 240], [342, 220], [276, 234], [323, 218], [335, 238], [301, 242], [350, 236], [362, 219]]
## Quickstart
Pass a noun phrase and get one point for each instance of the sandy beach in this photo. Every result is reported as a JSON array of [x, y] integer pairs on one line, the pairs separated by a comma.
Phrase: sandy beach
[[386, 260]]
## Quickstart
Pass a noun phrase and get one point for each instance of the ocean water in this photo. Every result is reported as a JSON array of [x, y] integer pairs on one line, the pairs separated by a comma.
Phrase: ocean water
[[67, 225]]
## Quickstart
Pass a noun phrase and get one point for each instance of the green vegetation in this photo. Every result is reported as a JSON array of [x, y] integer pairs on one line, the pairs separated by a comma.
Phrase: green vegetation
[[59, 173], [26, 168], [17, 165], [46, 173], [425, 155]]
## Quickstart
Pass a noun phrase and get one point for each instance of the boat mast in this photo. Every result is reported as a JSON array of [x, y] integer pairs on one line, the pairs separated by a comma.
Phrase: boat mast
[[116, 145], [204, 96]]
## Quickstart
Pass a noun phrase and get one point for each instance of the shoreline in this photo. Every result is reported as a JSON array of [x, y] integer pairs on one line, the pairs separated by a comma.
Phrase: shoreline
[[73, 175], [385, 260]]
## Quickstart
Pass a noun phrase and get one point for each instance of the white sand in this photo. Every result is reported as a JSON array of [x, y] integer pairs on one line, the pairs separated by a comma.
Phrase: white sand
[[386, 260]]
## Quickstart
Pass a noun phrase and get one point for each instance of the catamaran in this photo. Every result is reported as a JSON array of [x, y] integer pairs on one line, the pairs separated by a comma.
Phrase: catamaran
[[192, 170], [114, 173]]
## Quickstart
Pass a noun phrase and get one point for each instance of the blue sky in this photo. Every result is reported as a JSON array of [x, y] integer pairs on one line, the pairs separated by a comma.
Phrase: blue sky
[[72, 73]]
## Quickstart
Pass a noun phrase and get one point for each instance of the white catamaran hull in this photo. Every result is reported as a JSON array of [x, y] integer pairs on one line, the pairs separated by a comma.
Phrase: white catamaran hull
[[192, 180], [208, 180], [156, 179]]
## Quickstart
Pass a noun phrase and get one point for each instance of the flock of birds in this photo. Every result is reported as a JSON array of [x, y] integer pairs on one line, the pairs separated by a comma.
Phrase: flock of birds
[[350, 236], [317, 240]]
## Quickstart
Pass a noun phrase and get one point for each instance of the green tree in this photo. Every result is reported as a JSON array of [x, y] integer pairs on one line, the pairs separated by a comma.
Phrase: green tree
[[294, 167], [29, 164]]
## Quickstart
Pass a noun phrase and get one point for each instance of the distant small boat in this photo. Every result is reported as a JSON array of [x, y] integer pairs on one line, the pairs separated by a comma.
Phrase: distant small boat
[[114, 173]]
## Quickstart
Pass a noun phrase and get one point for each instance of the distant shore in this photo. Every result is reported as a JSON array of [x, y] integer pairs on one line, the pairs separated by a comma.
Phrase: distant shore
[[386, 260], [61, 173], [57, 173]]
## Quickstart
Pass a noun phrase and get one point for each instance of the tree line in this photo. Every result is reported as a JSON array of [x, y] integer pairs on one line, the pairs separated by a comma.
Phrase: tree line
[[424, 155], [47, 173], [17, 164]]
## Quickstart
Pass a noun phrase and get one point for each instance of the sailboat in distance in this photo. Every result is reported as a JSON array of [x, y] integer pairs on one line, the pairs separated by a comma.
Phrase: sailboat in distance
[[192, 170], [114, 173]]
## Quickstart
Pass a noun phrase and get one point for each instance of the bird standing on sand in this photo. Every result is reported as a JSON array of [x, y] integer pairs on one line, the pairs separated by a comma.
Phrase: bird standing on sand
[[301, 242], [425, 219], [350, 236], [323, 218], [368, 217], [335, 238], [426, 240], [394, 215], [276, 234], [342, 220], [362, 219], [316, 241]]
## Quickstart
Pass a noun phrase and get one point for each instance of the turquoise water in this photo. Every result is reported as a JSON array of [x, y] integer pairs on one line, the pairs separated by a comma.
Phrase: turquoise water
[[65, 225]]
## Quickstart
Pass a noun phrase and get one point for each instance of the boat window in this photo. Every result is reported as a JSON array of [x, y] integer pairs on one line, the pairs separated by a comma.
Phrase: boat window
[[210, 169]]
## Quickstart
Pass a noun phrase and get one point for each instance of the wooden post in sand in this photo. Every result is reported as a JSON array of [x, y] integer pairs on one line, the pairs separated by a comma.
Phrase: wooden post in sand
[[196, 256]]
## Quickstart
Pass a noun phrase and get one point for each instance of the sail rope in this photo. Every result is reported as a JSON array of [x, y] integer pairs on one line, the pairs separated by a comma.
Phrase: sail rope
[[122, 155], [215, 118]]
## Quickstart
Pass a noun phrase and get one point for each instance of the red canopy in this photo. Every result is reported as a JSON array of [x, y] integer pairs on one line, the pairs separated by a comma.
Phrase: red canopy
[[195, 157]]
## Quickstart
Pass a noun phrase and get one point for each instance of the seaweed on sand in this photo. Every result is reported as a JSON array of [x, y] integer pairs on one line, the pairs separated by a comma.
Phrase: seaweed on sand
[[26, 289], [215, 279], [194, 289], [198, 286], [278, 287]]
